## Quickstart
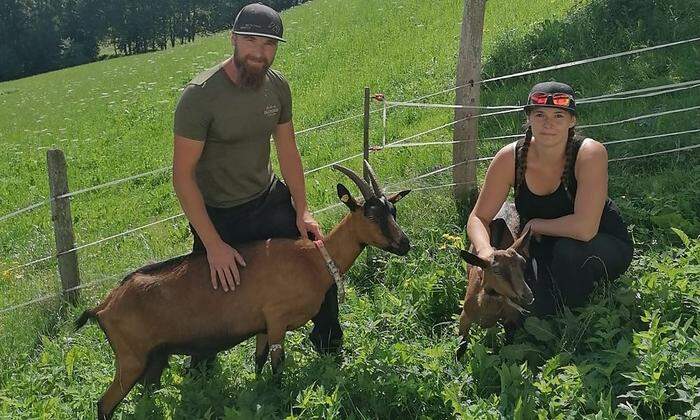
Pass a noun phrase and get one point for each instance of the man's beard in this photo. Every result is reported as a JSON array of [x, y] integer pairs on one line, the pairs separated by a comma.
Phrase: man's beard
[[252, 78]]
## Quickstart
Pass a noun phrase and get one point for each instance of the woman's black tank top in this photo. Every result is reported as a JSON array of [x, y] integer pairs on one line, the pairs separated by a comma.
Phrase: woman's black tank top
[[558, 204]]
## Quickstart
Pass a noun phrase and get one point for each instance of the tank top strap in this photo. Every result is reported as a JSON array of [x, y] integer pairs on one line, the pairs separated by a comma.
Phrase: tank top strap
[[518, 145]]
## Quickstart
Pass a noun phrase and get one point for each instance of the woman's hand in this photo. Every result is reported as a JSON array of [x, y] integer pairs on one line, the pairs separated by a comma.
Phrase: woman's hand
[[533, 225]]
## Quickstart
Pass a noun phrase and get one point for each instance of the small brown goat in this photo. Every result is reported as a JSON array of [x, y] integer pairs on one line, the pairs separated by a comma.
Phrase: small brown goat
[[495, 286], [171, 308]]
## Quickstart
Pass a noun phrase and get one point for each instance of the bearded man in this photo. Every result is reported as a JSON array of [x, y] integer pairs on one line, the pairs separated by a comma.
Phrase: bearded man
[[221, 162]]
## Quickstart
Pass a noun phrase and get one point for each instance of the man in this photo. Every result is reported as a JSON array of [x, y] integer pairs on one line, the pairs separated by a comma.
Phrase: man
[[221, 163]]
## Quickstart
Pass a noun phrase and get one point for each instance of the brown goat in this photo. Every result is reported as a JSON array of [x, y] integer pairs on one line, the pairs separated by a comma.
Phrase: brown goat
[[171, 308], [495, 286]]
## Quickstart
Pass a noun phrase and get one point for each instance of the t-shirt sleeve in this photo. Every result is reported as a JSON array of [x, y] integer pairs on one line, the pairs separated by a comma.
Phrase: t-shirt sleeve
[[191, 116], [286, 100]]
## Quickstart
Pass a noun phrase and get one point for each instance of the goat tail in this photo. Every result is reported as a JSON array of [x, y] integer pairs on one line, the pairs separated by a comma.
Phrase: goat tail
[[84, 318]]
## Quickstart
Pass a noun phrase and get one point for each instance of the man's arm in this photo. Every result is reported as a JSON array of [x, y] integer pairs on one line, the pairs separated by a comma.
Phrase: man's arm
[[222, 258], [293, 174], [186, 154]]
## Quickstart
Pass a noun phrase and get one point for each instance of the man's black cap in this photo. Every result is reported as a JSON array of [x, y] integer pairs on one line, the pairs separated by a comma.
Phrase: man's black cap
[[552, 88], [259, 20]]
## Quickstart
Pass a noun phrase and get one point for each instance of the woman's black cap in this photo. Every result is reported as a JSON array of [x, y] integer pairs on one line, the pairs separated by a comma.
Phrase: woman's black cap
[[552, 88]]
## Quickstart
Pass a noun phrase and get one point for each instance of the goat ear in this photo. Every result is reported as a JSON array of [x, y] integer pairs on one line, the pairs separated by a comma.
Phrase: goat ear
[[501, 236], [474, 260], [345, 196], [522, 245], [398, 196]]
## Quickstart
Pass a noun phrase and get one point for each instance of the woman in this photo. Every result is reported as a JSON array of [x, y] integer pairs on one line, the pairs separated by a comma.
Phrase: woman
[[560, 183]]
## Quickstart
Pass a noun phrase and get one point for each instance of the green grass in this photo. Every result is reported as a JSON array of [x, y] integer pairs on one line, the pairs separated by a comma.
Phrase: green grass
[[633, 351]]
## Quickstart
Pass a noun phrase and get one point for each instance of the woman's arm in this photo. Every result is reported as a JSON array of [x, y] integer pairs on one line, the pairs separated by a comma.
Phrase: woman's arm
[[591, 193], [498, 181]]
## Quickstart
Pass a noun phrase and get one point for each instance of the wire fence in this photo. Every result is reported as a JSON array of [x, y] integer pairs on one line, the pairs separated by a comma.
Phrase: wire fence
[[518, 74], [603, 98], [336, 205], [397, 143], [355, 116], [403, 142], [400, 143], [56, 295]]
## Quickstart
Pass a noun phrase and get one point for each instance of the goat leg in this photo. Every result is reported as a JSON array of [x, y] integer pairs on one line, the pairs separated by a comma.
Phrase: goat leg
[[275, 339], [157, 362], [262, 349], [514, 320], [129, 369], [465, 323]]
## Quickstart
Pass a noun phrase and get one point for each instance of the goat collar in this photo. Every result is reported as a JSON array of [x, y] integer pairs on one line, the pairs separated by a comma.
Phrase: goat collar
[[333, 269]]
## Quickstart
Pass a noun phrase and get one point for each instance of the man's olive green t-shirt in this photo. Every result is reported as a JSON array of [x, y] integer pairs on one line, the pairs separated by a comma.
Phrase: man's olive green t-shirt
[[235, 124]]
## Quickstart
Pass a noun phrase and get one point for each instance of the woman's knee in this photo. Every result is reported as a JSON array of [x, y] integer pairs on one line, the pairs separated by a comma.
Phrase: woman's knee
[[569, 253], [575, 270]]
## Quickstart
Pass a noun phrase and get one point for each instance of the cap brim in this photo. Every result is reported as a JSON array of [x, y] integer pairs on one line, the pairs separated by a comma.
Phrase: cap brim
[[259, 34]]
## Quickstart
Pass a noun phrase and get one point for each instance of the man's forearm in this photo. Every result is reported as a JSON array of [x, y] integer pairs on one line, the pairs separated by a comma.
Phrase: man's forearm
[[293, 174]]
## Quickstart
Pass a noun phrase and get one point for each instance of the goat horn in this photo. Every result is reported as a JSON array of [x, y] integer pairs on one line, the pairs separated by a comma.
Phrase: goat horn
[[373, 179], [361, 184]]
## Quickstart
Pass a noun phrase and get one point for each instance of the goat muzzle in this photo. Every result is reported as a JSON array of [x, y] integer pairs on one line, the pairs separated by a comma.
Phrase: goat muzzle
[[401, 248]]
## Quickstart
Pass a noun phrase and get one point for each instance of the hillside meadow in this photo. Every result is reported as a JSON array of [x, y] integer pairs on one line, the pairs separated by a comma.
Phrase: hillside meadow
[[633, 352]]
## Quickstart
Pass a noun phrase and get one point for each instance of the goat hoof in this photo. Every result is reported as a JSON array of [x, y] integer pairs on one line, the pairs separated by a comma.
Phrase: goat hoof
[[463, 345]]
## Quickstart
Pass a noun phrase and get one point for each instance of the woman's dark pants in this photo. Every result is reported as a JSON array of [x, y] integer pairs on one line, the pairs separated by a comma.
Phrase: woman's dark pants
[[568, 269]]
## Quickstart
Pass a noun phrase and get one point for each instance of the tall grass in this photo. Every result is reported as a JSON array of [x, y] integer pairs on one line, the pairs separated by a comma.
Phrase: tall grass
[[632, 352]]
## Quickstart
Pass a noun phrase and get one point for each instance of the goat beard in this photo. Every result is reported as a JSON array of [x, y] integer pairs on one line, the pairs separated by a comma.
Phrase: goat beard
[[249, 77]]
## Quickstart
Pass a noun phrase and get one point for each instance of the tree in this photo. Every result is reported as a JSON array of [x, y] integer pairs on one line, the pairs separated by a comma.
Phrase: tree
[[44, 35], [13, 24]]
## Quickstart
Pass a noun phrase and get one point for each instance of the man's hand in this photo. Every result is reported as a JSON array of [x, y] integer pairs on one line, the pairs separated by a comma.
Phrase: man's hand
[[306, 223], [223, 264]]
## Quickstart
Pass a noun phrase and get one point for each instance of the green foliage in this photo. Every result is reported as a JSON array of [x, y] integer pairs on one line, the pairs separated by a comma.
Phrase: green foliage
[[631, 353]]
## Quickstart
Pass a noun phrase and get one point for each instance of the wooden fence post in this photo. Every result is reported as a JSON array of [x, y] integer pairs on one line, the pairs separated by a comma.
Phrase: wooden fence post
[[63, 224], [468, 76]]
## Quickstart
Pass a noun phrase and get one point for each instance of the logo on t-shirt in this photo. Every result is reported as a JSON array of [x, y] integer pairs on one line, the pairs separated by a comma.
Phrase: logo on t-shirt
[[271, 110]]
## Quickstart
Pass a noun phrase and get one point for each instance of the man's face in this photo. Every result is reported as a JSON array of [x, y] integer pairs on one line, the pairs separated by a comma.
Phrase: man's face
[[253, 55]]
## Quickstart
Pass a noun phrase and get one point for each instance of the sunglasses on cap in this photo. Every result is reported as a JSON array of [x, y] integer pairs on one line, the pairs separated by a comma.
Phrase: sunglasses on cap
[[558, 99]]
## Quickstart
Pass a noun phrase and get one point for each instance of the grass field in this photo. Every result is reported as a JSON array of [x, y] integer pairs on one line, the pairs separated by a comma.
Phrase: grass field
[[633, 352]]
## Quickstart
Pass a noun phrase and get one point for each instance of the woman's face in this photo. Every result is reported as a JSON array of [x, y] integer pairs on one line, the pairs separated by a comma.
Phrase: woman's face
[[550, 125]]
